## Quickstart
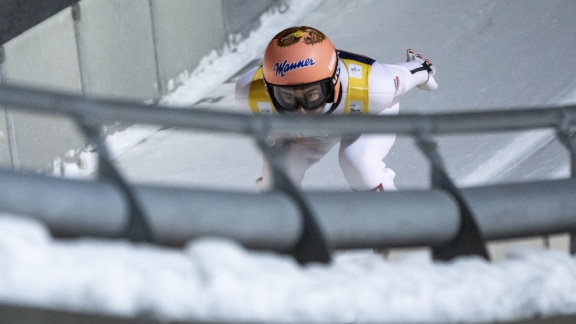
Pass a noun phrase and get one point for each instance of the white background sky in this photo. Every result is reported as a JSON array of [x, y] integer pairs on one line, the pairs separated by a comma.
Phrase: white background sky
[[489, 55]]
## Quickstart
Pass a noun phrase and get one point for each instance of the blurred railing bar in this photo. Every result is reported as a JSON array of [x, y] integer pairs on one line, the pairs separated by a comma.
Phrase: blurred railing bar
[[350, 220], [103, 111]]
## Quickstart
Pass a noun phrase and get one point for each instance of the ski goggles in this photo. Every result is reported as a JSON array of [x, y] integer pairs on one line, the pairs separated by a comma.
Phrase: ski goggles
[[310, 96]]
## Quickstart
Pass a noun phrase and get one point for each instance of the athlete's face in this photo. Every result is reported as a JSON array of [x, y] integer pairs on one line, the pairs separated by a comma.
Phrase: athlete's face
[[298, 98]]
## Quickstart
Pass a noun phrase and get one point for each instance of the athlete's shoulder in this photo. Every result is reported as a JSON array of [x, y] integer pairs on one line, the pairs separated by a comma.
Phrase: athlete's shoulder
[[345, 55], [251, 94], [380, 79], [356, 63], [242, 90], [243, 83]]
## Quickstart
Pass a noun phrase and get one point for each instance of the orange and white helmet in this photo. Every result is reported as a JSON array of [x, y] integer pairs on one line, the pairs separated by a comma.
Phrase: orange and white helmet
[[300, 69]]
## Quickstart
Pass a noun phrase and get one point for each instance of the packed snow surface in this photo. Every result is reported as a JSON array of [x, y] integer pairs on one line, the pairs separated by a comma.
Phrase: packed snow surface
[[215, 279]]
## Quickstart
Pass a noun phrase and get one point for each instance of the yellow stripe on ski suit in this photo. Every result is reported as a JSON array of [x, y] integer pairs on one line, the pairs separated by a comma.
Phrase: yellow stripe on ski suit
[[258, 96], [357, 92]]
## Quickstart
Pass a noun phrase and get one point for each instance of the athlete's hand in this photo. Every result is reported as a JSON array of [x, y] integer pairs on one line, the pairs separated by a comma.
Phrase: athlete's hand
[[431, 83]]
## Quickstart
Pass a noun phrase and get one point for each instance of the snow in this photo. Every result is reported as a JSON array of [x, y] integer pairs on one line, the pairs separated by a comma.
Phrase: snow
[[502, 161], [216, 279], [482, 50]]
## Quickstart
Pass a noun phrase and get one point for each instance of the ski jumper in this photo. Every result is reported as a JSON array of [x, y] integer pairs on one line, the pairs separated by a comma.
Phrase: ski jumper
[[367, 87]]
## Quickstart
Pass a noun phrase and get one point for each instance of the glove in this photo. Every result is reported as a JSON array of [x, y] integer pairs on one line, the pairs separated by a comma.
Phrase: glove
[[430, 84]]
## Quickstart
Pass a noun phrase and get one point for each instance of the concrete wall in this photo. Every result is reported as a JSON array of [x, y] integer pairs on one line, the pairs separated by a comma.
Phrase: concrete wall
[[5, 156], [241, 16], [45, 56], [121, 49], [115, 42], [185, 32]]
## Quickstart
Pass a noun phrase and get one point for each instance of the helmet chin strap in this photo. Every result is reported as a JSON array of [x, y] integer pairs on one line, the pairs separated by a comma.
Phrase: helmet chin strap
[[336, 102], [335, 79]]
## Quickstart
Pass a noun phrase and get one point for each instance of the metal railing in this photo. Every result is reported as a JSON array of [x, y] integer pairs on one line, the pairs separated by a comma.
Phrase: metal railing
[[452, 221]]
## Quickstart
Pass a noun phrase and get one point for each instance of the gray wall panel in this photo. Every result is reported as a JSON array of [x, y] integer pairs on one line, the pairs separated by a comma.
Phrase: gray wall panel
[[117, 49], [44, 56], [185, 32], [241, 16], [5, 160]]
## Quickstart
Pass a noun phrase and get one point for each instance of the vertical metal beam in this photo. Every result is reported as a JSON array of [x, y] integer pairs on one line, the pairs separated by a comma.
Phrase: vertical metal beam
[[77, 18], [10, 126], [12, 141], [161, 84], [469, 240], [137, 229], [312, 245], [567, 136]]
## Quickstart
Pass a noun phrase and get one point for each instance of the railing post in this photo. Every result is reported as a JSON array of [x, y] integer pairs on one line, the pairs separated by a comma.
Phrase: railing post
[[137, 228], [468, 240], [567, 136], [312, 245]]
